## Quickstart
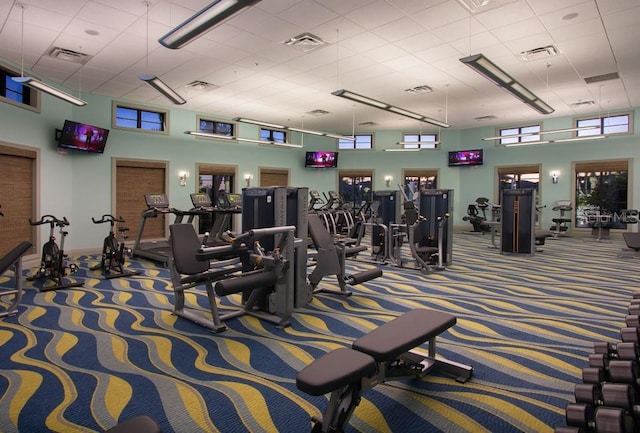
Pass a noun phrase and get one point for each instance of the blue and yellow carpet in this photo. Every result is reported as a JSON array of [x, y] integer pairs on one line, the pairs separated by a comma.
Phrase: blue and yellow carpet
[[84, 359]]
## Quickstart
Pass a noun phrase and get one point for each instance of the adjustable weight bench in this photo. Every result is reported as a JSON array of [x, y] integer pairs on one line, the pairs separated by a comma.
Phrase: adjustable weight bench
[[384, 354], [13, 259]]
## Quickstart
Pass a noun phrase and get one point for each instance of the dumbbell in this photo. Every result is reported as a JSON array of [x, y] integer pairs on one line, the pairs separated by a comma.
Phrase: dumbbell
[[602, 419], [624, 350], [588, 393], [620, 395], [630, 334], [602, 369], [614, 420], [632, 320]]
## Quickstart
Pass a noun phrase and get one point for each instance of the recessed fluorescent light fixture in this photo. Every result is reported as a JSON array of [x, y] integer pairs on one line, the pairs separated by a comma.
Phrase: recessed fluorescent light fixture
[[44, 87], [387, 107], [500, 78], [203, 21], [163, 88], [291, 128]]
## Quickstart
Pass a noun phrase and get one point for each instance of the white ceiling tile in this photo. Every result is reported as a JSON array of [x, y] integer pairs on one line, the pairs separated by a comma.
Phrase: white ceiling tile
[[344, 7], [106, 16], [399, 29], [375, 15], [308, 14]]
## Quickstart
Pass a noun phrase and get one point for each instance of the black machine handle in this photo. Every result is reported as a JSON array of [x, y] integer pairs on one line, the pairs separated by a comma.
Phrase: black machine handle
[[51, 220], [261, 232], [107, 218]]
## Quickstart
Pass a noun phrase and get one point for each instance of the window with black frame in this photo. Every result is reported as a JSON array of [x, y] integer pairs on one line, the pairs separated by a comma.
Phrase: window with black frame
[[273, 135], [16, 93], [140, 119], [355, 188], [612, 124], [520, 134], [601, 193], [420, 141], [361, 142], [217, 127]]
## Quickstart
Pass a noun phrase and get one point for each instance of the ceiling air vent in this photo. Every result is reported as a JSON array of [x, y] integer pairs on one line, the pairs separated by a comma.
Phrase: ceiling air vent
[[367, 124], [305, 42], [603, 77], [582, 104], [539, 53], [317, 112], [478, 6], [69, 55], [419, 90], [484, 118], [201, 85]]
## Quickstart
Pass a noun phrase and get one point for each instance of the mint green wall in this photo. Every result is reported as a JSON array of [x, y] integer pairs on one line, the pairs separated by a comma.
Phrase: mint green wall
[[78, 185]]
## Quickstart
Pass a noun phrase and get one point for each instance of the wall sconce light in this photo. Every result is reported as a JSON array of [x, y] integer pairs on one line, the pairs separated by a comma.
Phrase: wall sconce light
[[183, 176], [554, 176], [388, 180], [247, 179]]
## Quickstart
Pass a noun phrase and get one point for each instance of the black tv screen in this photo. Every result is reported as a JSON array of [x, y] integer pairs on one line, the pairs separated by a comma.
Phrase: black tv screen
[[465, 157], [321, 159], [80, 136]]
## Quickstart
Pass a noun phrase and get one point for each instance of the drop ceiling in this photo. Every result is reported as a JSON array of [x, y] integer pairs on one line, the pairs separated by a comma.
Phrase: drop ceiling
[[378, 48]]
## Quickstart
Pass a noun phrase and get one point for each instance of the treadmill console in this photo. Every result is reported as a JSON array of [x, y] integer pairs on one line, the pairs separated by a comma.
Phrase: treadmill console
[[201, 200], [156, 201]]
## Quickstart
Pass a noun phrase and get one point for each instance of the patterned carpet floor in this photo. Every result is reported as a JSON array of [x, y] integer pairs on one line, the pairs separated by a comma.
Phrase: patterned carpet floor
[[83, 359]]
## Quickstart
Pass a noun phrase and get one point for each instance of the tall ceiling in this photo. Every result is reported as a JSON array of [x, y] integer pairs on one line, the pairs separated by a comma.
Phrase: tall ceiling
[[377, 48]]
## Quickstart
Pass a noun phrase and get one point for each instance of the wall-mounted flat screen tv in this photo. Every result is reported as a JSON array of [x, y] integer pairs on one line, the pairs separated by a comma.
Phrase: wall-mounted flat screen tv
[[466, 157], [80, 136], [321, 159]]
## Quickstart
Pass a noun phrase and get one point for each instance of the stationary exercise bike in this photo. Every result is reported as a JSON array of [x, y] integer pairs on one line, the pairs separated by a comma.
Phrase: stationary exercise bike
[[114, 253], [52, 265]]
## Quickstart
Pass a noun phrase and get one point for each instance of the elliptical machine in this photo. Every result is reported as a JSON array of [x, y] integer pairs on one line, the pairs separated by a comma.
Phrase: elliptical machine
[[52, 264], [114, 253]]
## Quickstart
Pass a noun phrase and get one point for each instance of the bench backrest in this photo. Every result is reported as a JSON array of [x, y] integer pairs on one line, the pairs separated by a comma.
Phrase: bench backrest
[[185, 243], [318, 232]]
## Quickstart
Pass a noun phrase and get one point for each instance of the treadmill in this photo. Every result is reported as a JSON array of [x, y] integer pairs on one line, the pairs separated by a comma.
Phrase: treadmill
[[157, 250], [227, 206]]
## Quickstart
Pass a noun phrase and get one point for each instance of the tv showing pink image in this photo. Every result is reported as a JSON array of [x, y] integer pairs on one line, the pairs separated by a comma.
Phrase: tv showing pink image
[[321, 159], [84, 137]]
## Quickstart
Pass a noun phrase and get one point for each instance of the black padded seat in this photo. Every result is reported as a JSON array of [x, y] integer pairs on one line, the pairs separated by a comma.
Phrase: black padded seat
[[139, 424], [334, 370], [421, 238], [12, 256], [184, 246], [632, 240], [323, 239], [403, 333]]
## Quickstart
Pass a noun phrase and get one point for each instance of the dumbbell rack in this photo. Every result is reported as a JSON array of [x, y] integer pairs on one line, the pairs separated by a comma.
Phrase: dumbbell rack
[[608, 399]]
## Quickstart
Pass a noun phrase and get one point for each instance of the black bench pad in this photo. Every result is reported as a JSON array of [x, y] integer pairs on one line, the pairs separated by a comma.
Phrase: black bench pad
[[334, 370], [632, 240], [403, 333], [12, 256]]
